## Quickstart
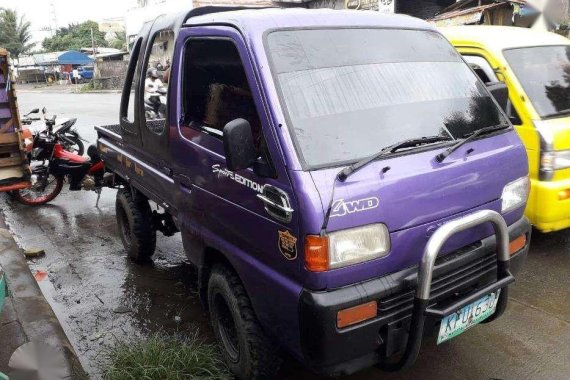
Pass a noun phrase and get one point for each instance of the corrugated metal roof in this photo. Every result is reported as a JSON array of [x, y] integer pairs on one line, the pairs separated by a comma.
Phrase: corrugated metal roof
[[70, 57], [465, 7]]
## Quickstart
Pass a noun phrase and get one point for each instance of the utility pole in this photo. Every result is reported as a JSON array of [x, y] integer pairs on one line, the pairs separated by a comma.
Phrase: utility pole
[[93, 45], [53, 18]]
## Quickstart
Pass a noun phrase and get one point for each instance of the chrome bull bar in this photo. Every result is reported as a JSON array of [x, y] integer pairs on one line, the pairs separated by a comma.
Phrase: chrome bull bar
[[425, 273]]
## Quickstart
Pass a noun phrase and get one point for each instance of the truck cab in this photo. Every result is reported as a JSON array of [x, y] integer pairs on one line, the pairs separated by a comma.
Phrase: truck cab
[[333, 176], [535, 66]]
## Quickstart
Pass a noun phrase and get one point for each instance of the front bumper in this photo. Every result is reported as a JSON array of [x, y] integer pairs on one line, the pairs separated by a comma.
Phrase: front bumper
[[456, 276], [546, 212]]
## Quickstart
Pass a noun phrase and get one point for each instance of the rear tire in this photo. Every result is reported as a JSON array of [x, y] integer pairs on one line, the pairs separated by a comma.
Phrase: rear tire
[[245, 348], [134, 219]]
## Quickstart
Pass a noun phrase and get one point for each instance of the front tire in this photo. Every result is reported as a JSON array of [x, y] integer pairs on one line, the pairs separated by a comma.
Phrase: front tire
[[134, 219], [76, 147], [245, 348], [45, 188]]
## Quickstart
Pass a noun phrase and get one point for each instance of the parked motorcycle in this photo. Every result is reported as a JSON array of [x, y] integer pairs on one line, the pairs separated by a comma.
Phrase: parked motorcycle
[[51, 164], [69, 137], [155, 106]]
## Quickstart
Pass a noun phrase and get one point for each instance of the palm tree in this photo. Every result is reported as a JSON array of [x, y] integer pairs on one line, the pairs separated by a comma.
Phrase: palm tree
[[15, 33]]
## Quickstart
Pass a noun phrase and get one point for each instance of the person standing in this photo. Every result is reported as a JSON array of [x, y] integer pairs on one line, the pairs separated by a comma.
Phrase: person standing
[[75, 75]]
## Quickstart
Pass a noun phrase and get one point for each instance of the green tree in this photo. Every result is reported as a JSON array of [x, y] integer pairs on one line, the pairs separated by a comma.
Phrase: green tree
[[74, 37], [15, 33], [119, 41]]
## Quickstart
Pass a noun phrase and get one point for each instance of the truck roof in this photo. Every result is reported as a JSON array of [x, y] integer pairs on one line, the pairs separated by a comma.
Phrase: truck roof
[[499, 38], [259, 20]]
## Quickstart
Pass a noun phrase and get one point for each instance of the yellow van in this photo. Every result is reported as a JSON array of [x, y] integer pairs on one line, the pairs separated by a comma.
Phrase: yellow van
[[536, 68]]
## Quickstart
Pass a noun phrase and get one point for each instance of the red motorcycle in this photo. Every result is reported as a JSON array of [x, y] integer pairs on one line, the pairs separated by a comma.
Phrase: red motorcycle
[[51, 164]]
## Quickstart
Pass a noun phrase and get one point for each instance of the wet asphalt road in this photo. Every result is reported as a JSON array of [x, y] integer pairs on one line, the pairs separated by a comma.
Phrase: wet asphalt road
[[100, 296]]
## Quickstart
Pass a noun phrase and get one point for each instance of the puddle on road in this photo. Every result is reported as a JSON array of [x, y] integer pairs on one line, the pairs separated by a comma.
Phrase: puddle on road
[[96, 292]]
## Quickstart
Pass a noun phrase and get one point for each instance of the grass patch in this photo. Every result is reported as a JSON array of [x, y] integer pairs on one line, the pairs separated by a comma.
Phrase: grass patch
[[91, 86], [162, 356]]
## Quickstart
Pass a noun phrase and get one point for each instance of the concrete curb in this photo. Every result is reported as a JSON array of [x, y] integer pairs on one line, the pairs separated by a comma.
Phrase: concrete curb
[[30, 317]]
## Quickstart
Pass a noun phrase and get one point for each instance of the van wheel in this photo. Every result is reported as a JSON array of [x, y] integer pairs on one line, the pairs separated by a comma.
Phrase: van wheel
[[245, 348], [134, 219]]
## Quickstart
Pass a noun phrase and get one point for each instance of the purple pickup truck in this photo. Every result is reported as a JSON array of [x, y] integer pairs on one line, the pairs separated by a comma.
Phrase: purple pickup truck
[[344, 183]]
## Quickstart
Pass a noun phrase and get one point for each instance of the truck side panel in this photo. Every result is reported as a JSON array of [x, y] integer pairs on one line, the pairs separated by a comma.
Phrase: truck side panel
[[156, 185]]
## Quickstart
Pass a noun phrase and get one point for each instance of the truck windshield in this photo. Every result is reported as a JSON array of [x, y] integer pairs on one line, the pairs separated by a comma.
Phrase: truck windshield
[[349, 92], [544, 73]]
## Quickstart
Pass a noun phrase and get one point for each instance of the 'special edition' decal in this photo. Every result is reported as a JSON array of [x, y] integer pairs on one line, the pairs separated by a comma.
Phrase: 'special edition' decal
[[237, 178], [342, 207]]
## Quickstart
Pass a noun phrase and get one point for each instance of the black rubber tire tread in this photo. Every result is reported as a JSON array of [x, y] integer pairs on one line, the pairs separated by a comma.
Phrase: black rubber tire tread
[[80, 145], [261, 360], [139, 218]]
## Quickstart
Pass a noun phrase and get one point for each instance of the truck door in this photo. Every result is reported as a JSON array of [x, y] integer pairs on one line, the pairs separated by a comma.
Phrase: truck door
[[153, 112], [217, 207], [489, 69]]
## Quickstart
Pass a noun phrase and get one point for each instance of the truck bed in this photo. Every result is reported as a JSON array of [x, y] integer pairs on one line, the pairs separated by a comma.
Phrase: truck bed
[[135, 166], [115, 129], [111, 130]]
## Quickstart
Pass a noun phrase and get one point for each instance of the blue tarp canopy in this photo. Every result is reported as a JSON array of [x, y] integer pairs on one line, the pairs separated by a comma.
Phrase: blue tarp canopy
[[73, 58]]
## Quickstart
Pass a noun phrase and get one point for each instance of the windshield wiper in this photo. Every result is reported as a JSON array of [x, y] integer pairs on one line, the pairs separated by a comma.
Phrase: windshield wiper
[[483, 131], [410, 143]]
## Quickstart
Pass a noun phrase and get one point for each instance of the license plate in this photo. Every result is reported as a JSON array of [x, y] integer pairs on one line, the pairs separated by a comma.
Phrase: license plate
[[468, 316]]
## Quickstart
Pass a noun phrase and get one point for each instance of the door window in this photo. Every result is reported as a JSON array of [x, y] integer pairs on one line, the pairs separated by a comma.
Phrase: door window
[[484, 71], [482, 68], [157, 76], [216, 90]]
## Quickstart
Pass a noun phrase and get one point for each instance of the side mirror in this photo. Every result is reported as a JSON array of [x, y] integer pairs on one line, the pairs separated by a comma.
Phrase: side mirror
[[500, 92], [35, 110], [238, 145], [44, 110]]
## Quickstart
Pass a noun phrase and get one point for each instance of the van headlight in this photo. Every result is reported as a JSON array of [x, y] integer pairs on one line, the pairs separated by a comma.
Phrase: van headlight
[[341, 248], [515, 194], [356, 245]]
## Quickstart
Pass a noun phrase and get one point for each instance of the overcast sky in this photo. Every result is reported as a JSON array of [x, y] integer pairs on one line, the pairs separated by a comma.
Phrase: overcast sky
[[38, 12]]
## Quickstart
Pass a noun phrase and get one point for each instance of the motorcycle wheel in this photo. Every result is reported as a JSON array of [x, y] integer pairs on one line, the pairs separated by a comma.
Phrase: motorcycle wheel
[[42, 191], [77, 147]]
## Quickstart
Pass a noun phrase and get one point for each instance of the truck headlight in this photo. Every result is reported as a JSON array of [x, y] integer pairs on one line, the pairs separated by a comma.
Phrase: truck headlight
[[514, 194], [341, 248], [555, 160], [550, 159]]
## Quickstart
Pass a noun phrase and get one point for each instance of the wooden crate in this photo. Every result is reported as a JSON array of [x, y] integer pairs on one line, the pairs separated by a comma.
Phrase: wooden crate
[[14, 169]]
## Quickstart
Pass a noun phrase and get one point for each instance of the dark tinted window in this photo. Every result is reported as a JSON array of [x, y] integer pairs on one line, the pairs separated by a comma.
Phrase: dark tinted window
[[216, 90], [350, 92], [544, 73]]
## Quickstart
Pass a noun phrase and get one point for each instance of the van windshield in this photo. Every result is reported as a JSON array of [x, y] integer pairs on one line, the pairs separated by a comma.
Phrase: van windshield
[[347, 93], [544, 73]]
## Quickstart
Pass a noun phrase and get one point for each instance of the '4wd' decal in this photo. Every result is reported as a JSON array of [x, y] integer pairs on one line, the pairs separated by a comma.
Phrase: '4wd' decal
[[342, 207]]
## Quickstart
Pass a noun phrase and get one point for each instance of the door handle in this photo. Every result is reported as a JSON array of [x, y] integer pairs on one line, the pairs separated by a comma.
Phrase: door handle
[[276, 203], [184, 180], [166, 170], [272, 203]]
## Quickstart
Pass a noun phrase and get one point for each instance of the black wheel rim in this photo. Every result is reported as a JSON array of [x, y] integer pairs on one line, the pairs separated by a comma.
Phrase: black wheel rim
[[227, 328]]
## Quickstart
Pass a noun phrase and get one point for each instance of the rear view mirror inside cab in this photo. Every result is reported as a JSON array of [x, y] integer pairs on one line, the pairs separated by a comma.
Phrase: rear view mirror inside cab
[[500, 92]]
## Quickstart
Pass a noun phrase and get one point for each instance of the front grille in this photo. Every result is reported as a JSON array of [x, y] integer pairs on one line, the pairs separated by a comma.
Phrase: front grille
[[445, 286]]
